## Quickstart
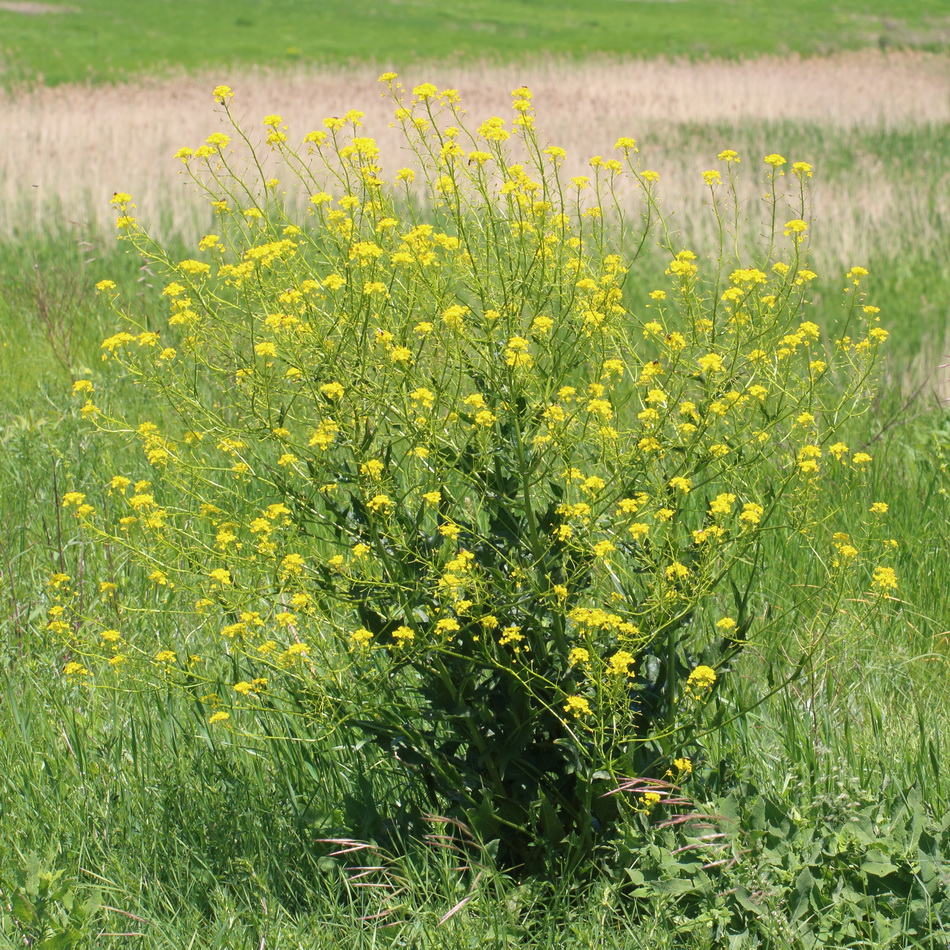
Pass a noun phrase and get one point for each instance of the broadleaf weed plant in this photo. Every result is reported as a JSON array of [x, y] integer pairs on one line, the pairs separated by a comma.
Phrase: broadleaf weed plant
[[419, 470]]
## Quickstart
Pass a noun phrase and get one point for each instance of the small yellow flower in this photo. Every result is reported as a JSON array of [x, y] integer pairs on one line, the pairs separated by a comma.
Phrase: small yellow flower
[[884, 578], [796, 227], [447, 625], [372, 468], [403, 635], [751, 513], [619, 664], [292, 565], [511, 635], [380, 503], [676, 571], [332, 390], [577, 706], [722, 504], [650, 800], [516, 353], [711, 363], [578, 657], [222, 576], [703, 677]]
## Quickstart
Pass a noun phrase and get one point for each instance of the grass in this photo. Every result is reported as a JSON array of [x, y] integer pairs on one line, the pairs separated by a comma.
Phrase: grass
[[184, 837], [211, 841], [101, 40]]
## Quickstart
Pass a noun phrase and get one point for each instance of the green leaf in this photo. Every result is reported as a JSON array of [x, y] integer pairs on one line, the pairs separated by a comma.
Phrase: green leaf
[[879, 866], [673, 888], [23, 909], [745, 901], [60, 941]]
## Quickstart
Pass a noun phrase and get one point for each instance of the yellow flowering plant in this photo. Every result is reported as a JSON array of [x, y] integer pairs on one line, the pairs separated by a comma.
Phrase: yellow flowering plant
[[422, 467]]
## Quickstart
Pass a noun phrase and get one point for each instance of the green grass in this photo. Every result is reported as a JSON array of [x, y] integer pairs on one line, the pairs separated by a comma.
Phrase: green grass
[[211, 840], [186, 838], [105, 40]]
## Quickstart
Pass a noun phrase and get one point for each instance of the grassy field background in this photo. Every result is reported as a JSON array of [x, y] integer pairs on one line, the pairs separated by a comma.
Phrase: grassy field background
[[180, 837], [99, 39]]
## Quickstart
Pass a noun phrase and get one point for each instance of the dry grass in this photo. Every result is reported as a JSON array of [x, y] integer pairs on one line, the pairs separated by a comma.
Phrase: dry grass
[[30, 8], [70, 148]]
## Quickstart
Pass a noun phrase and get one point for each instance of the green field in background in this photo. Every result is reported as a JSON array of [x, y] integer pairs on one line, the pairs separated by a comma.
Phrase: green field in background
[[104, 39]]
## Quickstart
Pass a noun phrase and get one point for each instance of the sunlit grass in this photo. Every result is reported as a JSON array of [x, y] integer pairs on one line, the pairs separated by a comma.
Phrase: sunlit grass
[[97, 40]]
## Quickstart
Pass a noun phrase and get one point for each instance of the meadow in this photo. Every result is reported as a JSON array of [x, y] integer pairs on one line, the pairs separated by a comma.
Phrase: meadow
[[130, 819], [93, 39]]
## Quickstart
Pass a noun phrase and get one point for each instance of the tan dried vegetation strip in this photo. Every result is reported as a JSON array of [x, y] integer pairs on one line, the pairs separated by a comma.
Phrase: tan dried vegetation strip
[[71, 147], [34, 9]]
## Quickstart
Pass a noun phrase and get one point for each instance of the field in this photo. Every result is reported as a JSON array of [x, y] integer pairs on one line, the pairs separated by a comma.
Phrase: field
[[130, 818], [93, 39]]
